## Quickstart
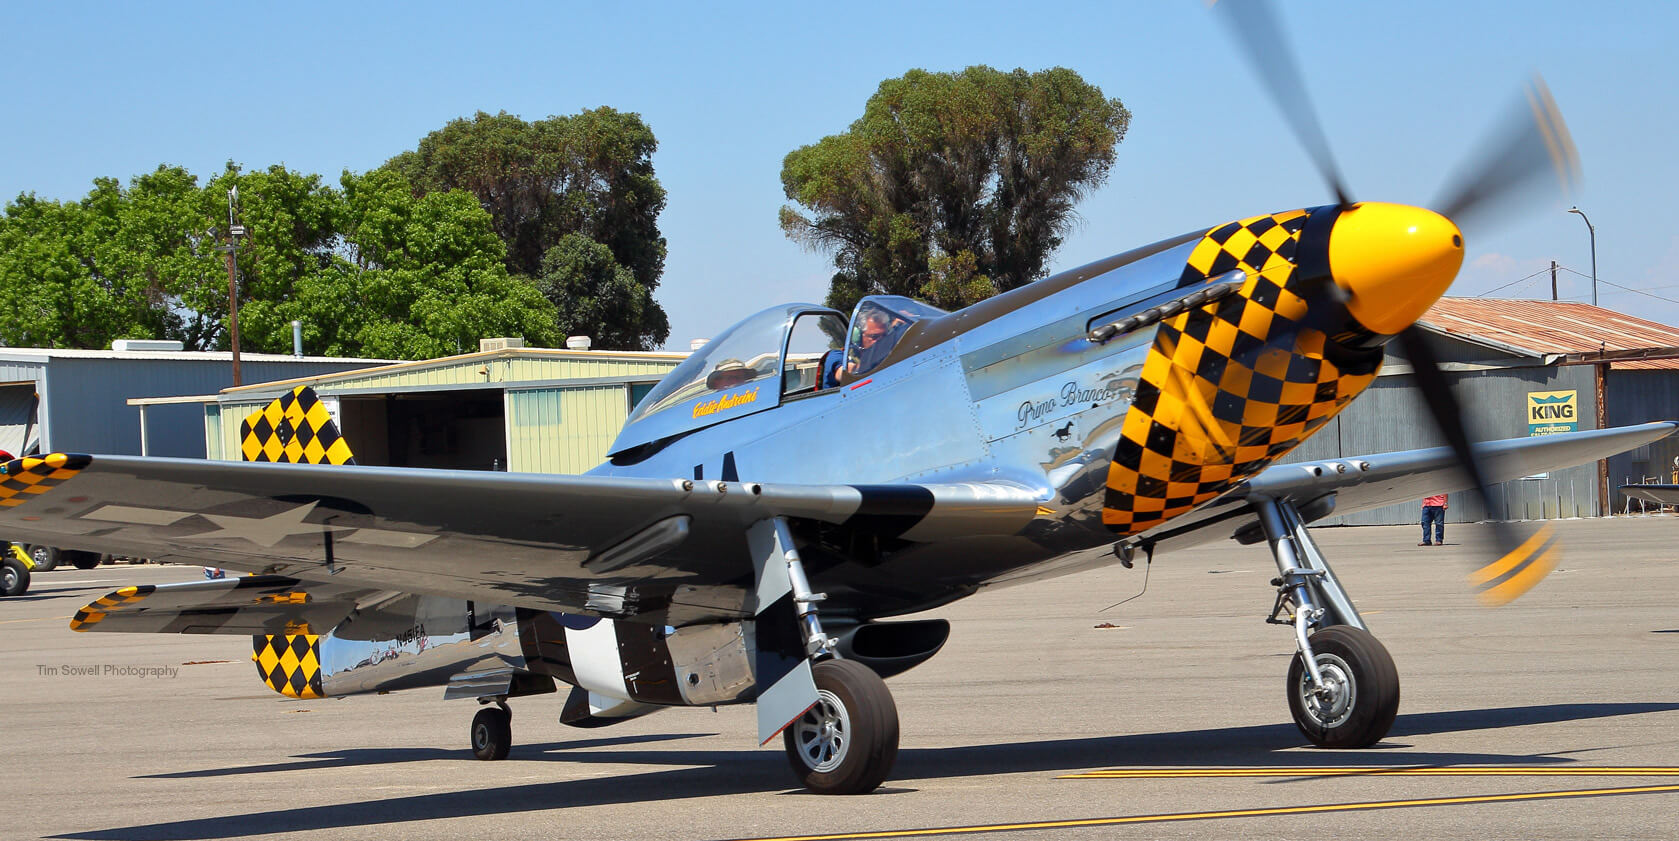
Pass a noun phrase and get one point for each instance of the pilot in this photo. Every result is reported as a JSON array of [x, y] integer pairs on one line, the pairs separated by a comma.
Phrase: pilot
[[828, 369], [880, 334]]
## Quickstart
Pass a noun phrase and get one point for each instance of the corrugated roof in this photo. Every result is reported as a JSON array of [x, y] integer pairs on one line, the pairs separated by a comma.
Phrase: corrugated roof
[[1550, 327]]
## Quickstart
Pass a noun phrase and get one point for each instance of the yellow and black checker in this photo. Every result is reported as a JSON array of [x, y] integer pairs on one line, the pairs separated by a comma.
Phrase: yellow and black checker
[[289, 663], [295, 428], [1229, 387], [96, 612], [22, 479]]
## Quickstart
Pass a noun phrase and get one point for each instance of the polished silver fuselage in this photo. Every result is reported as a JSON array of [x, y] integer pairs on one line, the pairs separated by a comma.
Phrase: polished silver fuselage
[[1021, 398]]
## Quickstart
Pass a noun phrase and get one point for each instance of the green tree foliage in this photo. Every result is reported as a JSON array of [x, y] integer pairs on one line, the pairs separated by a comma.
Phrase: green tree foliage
[[370, 269], [952, 187], [121, 263], [596, 296], [407, 277], [549, 184]]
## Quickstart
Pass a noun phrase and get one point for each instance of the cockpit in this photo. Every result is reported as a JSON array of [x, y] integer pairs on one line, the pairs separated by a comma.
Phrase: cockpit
[[877, 325], [781, 353]]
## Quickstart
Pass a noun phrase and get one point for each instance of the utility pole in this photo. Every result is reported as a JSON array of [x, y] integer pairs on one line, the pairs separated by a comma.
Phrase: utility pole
[[234, 232], [1553, 280]]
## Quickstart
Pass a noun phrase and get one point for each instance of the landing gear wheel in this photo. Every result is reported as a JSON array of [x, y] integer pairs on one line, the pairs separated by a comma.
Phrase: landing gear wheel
[[492, 733], [848, 742], [45, 557], [14, 579], [1360, 696], [83, 560]]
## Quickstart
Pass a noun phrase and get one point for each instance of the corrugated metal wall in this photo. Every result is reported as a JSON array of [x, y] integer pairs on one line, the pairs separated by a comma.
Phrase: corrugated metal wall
[[563, 430], [1391, 415]]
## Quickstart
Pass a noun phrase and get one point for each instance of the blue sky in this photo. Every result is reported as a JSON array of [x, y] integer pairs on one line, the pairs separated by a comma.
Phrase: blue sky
[[1404, 89]]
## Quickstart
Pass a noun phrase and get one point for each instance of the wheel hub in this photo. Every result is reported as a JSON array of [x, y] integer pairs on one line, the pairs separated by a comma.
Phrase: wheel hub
[[821, 733], [1331, 702]]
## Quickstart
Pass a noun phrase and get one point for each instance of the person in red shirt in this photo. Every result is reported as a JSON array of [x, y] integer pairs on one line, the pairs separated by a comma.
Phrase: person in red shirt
[[1434, 509]]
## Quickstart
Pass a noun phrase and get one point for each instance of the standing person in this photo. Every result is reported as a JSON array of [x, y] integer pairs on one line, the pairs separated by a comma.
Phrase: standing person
[[1434, 509]]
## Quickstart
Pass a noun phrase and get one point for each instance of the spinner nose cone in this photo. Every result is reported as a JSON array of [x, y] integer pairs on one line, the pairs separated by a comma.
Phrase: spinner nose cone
[[1394, 261]]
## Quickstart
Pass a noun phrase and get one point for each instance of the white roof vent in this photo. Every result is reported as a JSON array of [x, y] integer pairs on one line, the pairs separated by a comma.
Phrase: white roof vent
[[147, 344], [499, 344], [578, 342]]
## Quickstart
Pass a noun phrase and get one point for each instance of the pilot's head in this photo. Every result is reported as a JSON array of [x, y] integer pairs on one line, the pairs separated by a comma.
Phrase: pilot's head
[[875, 325], [728, 374]]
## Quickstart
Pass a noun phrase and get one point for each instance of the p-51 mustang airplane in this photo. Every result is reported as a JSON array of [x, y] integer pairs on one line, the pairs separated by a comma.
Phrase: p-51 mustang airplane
[[764, 510]]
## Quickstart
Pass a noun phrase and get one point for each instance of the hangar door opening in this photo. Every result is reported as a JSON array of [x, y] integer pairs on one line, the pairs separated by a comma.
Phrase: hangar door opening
[[19, 430], [458, 430]]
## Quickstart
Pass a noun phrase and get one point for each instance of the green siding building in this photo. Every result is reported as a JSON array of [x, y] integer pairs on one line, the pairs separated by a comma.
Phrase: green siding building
[[531, 410]]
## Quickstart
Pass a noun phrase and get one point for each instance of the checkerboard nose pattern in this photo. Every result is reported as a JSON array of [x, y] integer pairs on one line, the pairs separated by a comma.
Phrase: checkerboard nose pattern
[[1229, 387]]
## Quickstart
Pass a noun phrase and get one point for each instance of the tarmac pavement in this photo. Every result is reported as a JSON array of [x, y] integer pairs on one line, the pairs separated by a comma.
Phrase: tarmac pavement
[[1554, 717]]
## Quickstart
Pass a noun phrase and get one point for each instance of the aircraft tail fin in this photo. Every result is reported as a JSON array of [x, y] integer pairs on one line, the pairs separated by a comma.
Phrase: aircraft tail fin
[[296, 428]]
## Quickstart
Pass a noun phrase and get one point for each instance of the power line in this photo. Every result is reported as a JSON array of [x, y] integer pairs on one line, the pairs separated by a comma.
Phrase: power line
[[1513, 282], [1620, 287]]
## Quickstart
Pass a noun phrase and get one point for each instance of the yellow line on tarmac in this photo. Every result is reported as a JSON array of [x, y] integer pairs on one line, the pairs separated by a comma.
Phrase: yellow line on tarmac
[[36, 619], [1384, 771], [1230, 813]]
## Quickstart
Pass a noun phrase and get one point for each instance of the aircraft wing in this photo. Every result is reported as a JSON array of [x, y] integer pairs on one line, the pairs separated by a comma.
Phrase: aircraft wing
[[255, 604], [607, 545], [1361, 483]]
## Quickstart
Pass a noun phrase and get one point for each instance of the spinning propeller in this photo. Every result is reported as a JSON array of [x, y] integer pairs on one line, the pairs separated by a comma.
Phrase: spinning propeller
[[1398, 280]]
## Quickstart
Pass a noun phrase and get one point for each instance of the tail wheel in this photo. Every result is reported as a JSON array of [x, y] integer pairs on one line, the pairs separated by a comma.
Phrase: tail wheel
[[14, 579], [848, 742], [1356, 704], [492, 733]]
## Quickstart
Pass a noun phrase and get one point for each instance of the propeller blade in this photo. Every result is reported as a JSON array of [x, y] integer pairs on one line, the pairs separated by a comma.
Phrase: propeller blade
[[1253, 23], [1524, 559], [1529, 141]]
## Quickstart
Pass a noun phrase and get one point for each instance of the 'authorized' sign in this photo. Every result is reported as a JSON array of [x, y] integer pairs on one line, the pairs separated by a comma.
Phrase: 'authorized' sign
[[1550, 412]]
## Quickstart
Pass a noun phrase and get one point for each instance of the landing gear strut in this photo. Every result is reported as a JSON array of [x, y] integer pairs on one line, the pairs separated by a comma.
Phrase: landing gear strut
[[1343, 689], [847, 741]]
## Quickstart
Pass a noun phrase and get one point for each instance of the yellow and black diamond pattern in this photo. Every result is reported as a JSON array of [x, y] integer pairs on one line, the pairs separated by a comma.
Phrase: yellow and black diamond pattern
[[22, 479], [94, 613], [295, 428], [1227, 387], [289, 663]]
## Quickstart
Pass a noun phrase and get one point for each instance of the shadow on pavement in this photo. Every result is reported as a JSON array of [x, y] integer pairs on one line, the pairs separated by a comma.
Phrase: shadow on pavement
[[746, 771]]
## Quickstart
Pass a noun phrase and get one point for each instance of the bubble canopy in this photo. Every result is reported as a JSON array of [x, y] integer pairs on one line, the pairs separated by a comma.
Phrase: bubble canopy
[[736, 374]]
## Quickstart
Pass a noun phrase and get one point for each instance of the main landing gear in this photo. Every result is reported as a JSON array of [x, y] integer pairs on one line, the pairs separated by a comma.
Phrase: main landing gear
[[492, 731], [1343, 689], [847, 741]]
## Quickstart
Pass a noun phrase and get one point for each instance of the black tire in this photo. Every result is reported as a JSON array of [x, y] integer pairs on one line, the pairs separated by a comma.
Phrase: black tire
[[45, 557], [14, 579], [83, 560], [856, 709], [492, 733], [1361, 710]]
